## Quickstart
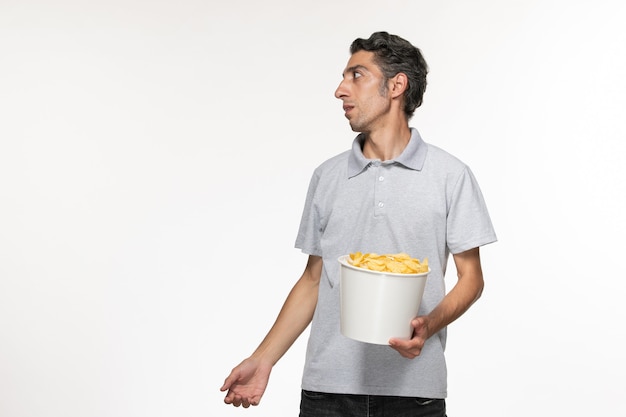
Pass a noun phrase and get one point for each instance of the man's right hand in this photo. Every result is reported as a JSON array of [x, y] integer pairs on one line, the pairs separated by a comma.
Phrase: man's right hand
[[246, 383]]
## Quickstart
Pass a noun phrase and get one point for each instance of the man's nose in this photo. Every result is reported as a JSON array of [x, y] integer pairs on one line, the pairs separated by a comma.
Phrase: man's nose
[[341, 90]]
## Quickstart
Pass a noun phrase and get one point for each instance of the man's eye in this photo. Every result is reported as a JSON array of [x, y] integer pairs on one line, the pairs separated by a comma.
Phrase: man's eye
[[357, 75]]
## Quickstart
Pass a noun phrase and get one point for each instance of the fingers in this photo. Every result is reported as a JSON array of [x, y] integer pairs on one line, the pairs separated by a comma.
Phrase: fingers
[[412, 348], [228, 382], [409, 351], [236, 396], [234, 399], [239, 401], [418, 324]]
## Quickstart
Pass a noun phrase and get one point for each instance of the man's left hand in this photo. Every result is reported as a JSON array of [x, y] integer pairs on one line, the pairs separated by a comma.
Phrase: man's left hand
[[412, 348]]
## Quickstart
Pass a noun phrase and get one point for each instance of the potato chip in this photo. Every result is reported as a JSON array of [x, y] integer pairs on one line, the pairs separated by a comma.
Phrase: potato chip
[[398, 263]]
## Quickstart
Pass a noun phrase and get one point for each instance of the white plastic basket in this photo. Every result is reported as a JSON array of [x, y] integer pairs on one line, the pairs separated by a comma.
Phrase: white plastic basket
[[376, 306]]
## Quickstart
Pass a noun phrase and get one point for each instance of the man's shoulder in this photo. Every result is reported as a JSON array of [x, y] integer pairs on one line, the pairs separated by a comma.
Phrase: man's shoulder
[[442, 158], [333, 163]]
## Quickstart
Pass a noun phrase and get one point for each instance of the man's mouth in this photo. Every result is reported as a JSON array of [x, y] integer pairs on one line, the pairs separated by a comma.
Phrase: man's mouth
[[347, 108]]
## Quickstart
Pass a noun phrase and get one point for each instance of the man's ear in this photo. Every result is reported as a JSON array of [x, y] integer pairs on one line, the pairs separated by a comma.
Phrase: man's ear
[[399, 84]]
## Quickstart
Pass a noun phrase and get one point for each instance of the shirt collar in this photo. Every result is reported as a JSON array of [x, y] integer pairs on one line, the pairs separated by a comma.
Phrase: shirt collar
[[412, 157]]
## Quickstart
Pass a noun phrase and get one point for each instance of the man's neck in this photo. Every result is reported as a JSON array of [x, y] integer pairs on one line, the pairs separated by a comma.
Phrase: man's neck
[[386, 144]]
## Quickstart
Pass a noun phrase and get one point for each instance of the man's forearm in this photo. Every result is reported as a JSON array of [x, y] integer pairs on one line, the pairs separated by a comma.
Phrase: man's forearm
[[467, 290], [295, 315]]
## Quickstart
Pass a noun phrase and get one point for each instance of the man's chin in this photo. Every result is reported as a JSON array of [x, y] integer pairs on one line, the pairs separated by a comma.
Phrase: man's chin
[[356, 128]]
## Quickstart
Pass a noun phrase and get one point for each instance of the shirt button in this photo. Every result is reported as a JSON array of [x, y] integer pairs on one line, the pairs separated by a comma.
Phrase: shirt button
[[381, 178], [381, 204]]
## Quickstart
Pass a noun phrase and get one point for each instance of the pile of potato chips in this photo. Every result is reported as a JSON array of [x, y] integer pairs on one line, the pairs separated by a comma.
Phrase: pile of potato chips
[[398, 263]]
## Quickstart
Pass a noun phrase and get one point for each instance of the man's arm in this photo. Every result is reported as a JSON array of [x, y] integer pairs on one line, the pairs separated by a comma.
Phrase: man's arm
[[248, 380], [467, 290]]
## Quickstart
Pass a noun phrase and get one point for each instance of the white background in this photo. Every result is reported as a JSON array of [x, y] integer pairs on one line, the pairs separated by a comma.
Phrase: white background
[[154, 159]]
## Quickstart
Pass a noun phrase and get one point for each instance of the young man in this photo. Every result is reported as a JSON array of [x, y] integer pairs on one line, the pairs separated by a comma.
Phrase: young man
[[390, 193]]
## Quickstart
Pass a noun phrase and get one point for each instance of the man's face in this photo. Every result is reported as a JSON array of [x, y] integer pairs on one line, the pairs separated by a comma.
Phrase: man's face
[[365, 96]]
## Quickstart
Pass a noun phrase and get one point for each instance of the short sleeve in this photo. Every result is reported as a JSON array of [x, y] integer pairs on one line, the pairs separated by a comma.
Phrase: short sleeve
[[309, 233], [468, 222]]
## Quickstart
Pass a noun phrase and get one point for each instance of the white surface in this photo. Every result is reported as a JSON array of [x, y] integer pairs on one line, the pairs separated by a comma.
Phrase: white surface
[[155, 155], [376, 306]]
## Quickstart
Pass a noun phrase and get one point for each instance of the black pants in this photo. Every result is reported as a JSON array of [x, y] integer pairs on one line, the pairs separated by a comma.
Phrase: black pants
[[319, 404]]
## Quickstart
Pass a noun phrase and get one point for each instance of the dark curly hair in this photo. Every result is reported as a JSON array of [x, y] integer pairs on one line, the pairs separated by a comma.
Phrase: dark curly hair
[[393, 55]]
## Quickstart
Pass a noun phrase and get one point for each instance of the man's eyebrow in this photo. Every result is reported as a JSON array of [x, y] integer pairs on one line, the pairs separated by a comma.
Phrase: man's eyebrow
[[353, 68]]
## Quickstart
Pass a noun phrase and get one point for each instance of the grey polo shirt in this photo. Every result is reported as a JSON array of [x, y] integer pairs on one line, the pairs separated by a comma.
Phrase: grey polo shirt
[[426, 203]]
